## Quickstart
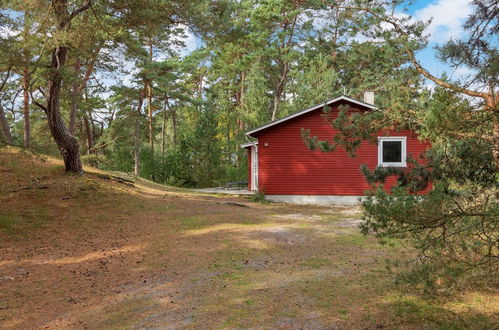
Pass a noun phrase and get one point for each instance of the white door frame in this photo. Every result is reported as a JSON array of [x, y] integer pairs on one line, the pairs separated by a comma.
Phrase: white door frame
[[254, 167]]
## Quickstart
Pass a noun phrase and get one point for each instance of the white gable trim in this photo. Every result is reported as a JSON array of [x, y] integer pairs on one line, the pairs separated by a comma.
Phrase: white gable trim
[[315, 107], [249, 144]]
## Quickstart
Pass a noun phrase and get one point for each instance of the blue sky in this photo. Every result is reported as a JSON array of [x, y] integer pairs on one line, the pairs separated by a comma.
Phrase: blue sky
[[448, 17]]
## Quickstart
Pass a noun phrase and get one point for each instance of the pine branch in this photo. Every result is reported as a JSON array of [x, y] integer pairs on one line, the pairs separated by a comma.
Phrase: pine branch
[[41, 106], [412, 57], [6, 78], [108, 143], [80, 10]]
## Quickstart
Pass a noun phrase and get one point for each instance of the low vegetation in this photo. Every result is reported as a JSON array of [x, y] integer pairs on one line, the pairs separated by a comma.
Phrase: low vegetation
[[87, 251]]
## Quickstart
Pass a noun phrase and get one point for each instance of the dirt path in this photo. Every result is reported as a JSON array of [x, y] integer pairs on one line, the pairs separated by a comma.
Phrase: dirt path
[[89, 253]]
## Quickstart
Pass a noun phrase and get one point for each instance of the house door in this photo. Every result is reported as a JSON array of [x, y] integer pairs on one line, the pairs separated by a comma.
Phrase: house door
[[254, 167]]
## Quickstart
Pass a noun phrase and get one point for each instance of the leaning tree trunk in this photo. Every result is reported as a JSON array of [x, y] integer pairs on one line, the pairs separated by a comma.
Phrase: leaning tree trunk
[[67, 144], [3, 119]]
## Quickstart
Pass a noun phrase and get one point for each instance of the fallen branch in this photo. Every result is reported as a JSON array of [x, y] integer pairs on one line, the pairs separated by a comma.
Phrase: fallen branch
[[116, 179], [11, 144], [233, 204], [29, 187]]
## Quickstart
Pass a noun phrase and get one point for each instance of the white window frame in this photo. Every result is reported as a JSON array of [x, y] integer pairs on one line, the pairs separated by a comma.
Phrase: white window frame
[[402, 139]]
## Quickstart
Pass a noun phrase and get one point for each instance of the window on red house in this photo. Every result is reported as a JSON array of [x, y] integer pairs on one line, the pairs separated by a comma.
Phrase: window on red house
[[392, 151]]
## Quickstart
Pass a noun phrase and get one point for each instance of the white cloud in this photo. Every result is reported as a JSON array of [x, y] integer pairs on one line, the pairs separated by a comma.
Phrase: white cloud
[[191, 42], [447, 15], [7, 32], [463, 72]]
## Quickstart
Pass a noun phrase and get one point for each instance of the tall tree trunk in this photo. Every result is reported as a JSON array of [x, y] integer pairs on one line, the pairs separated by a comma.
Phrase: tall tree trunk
[[26, 81], [163, 129], [174, 121], [89, 133], [136, 147], [496, 140], [75, 91], [149, 104], [285, 47], [334, 39], [279, 90], [27, 126], [81, 129], [136, 136], [88, 122], [491, 103], [5, 127], [79, 84], [149, 116], [94, 130]]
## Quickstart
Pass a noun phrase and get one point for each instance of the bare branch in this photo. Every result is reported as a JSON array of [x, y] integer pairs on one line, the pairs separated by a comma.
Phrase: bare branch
[[35, 102], [41, 91], [6, 78], [78, 11], [103, 145], [11, 144]]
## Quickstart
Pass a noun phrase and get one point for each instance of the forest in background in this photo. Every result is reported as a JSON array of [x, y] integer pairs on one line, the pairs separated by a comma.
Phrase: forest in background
[[135, 100]]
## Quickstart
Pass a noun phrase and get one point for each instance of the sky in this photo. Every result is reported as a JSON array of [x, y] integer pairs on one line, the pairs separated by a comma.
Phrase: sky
[[447, 19]]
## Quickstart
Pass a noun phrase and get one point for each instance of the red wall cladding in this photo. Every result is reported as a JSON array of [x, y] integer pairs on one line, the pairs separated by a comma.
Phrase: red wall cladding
[[288, 167]]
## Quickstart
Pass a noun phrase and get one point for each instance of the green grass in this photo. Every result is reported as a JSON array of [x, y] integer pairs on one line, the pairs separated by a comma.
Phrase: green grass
[[124, 314], [190, 223], [23, 221], [8, 222], [414, 310], [331, 218], [250, 223], [315, 263], [357, 239], [250, 301], [259, 197], [231, 276]]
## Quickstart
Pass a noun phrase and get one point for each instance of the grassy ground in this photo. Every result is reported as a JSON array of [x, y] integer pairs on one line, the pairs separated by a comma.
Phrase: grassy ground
[[85, 252]]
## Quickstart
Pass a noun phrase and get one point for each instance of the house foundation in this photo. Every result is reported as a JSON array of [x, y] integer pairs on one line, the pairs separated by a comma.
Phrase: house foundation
[[316, 199]]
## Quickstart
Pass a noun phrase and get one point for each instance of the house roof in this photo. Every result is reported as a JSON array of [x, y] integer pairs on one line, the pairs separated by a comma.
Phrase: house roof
[[315, 107]]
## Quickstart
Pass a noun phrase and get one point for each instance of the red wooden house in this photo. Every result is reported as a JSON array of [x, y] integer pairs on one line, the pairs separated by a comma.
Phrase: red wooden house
[[285, 170]]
